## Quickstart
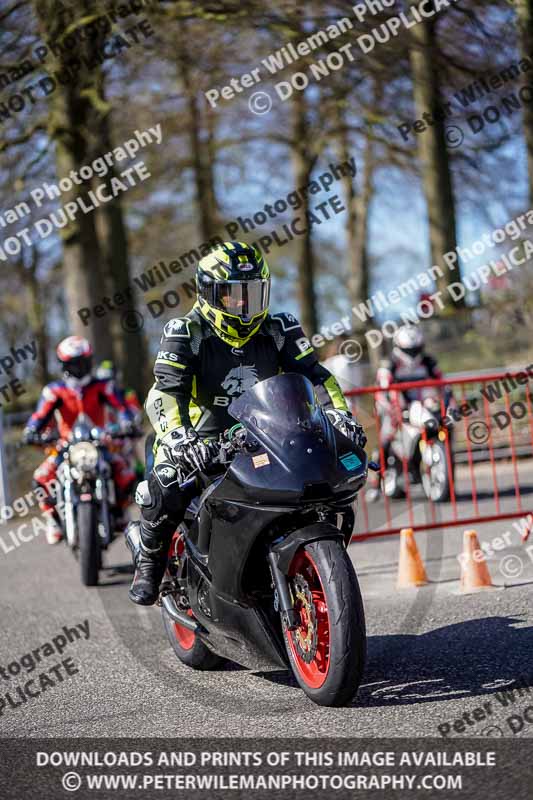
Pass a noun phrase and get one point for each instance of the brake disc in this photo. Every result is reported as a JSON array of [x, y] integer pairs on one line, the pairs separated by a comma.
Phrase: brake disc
[[306, 645]]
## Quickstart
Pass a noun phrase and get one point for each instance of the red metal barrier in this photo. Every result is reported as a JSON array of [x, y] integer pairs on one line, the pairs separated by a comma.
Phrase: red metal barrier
[[487, 454]]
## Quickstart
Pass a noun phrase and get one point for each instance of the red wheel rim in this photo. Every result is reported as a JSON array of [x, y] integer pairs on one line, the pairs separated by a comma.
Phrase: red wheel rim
[[184, 636], [313, 663]]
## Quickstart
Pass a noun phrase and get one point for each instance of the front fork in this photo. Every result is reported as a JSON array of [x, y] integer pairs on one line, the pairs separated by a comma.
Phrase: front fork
[[103, 487], [70, 516], [289, 617]]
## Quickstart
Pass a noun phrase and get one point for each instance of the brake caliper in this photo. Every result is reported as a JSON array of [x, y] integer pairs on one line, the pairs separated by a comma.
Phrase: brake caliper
[[306, 638]]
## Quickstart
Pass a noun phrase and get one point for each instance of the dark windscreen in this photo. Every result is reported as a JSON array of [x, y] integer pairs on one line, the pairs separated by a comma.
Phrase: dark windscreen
[[81, 430], [298, 443], [280, 406]]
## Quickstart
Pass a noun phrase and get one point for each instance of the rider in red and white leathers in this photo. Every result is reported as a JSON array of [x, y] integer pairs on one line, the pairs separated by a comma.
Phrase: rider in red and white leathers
[[60, 404]]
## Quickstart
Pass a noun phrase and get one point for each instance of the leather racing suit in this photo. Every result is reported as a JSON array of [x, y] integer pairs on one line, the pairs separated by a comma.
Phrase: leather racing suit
[[197, 375], [60, 404], [400, 370]]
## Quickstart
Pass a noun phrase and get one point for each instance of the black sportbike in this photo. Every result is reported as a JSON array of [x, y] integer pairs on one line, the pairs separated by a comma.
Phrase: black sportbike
[[258, 572]]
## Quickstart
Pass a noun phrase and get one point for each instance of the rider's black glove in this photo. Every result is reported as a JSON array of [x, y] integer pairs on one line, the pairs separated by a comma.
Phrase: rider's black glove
[[29, 436], [188, 451], [347, 425]]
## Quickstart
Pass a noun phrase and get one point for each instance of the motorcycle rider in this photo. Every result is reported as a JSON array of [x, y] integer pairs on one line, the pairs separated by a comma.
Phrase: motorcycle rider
[[409, 362], [225, 345], [61, 402], [106, 371]]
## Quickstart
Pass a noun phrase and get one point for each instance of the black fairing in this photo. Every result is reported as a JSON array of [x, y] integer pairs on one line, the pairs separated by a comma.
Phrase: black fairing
[[303, 450], [294, 462]]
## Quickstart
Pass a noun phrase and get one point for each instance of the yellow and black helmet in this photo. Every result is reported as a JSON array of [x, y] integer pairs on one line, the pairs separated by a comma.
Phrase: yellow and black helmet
[[233, 284]]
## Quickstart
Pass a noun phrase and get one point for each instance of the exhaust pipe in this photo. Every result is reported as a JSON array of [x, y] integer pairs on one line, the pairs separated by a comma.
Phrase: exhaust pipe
[[169, 604]]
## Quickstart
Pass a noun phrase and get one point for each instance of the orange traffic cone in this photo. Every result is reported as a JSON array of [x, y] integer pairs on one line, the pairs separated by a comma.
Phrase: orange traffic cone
[[475, 575], [411, 570]]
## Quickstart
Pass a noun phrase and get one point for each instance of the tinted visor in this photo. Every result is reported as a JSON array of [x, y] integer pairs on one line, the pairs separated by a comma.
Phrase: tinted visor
[[77, 367], [244, 299], [412, 352]]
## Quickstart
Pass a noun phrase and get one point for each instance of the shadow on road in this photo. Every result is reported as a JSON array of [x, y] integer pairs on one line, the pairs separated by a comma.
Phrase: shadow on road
[[461, 660], [482, 494], [116, 575]]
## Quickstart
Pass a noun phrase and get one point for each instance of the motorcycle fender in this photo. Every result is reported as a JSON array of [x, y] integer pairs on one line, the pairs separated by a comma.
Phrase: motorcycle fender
[[286, 549]]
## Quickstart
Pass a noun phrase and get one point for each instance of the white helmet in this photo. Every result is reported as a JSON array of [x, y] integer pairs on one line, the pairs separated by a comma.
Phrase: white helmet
[[75, 356], [409, 341]]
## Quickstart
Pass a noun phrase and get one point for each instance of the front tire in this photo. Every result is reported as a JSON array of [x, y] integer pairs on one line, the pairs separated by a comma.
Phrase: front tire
[[89, 543], [392, 487], [328, 651], [436, 479]]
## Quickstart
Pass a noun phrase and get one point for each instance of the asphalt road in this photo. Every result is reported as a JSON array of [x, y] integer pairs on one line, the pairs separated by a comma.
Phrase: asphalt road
[[433, 654]]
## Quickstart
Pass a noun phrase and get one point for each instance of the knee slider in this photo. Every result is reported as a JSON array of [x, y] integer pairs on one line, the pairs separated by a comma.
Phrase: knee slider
[[143, 497], [163, 483]]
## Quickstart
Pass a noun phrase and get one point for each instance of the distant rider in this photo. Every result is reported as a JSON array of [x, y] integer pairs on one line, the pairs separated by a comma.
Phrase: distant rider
[[61, 403], [106, 371], [408, 362]]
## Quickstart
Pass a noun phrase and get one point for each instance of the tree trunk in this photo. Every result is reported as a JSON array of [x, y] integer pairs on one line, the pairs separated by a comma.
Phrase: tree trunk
[[303, 163], [126, 323], [70, 120], [200, 151], [36, 313], [84, 280], [37, 320], [356, 220], [358, 211], [524, 9], [433, 153]]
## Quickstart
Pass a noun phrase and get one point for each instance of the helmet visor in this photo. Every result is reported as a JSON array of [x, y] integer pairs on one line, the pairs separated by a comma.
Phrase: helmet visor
[[412, 352], [244, 299], [77, 367]]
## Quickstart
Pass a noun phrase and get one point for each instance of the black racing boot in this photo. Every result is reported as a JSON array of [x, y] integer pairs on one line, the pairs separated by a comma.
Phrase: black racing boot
[[149, 566]]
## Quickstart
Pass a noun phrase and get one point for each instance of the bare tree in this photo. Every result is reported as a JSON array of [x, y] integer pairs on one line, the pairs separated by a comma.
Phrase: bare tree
[[524, 9], [71, 118], [432, 150], [303, 160]]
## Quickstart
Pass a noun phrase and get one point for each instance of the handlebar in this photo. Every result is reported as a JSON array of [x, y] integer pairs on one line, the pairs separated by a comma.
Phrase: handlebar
[[229, 443], [39, 441], [132, 435]]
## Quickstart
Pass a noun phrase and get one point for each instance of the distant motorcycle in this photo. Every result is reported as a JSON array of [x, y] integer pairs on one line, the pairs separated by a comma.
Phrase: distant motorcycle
[[258, 572], [422, 446], [88, 501]]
